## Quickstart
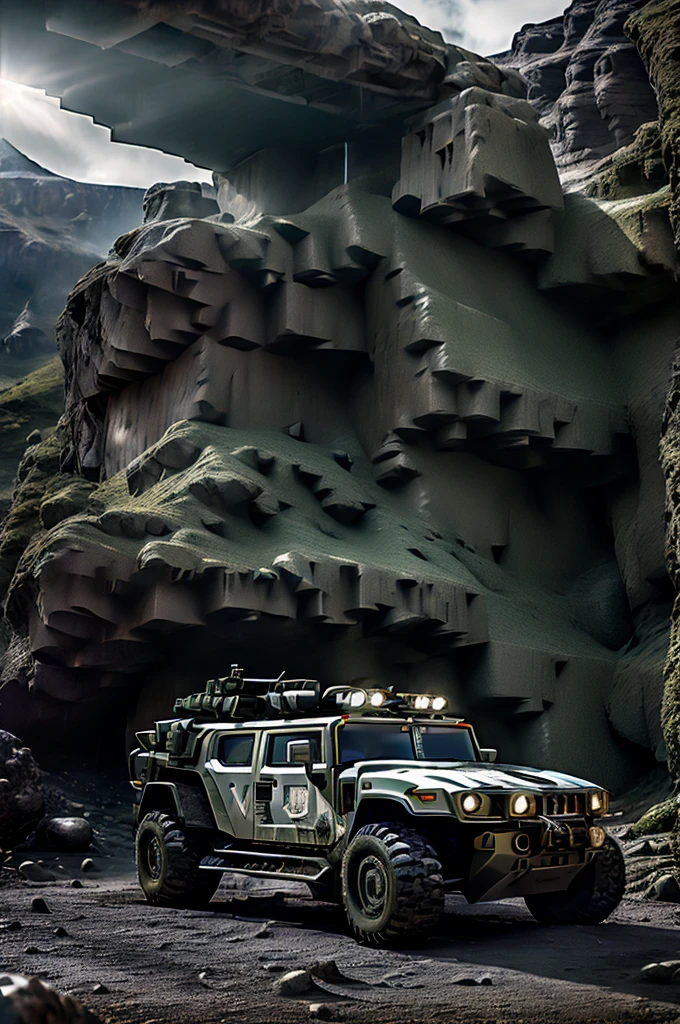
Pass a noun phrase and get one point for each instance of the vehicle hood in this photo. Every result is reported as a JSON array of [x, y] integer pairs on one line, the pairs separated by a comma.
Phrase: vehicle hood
[[465, 775]]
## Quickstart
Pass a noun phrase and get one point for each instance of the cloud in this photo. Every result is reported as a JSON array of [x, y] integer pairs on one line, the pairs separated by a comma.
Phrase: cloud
[[72, 145], [485, 26]]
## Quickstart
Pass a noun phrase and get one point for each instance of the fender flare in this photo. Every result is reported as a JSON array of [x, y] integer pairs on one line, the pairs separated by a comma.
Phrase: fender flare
[[189, 803]]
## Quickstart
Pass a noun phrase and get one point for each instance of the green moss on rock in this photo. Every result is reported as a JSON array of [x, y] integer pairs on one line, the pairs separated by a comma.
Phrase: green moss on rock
[[633, 170], [34, 403], [660, 818], [655, 29], [43, 497]]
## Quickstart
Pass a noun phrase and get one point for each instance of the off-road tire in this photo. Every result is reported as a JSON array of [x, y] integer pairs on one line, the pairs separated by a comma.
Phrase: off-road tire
[[400, 868], [167, 864], [593, 895]]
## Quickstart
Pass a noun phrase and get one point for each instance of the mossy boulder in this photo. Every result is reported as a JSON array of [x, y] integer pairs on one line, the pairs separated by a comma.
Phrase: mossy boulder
[[660, 818]]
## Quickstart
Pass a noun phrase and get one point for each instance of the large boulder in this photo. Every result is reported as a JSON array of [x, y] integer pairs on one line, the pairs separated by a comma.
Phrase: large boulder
[[29, 1001], [21, 798]]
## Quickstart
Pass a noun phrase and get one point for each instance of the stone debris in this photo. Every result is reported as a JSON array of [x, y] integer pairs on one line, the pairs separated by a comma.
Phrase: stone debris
[[665, 973], [60, 932], [69, 834], [21, 796], [323, 1011], [667, 889], [293, 983], [100, 989], [39, 906], [75, 883], [88, 865], [33, 872]]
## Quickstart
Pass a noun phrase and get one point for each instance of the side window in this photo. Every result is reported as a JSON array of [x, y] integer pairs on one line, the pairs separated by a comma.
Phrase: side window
[[281, 747], [236, 749]]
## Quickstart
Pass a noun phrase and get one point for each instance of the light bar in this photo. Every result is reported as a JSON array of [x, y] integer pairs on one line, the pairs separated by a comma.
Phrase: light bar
[[432, 702]]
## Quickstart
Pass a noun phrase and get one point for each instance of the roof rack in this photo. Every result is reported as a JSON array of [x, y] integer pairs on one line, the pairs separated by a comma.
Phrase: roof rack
[[236, 698]]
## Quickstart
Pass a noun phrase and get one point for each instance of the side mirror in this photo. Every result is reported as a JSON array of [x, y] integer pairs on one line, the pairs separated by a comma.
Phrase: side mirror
[[489, 754], [299, 752]]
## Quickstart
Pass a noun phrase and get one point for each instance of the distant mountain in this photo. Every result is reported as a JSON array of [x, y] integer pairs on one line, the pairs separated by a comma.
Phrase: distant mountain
[[52, 230], [14, 164]]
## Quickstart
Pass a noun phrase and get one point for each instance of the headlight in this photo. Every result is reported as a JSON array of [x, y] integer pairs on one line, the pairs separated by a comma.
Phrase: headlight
[[521, 804], [377, 699], [438, 703], [357, 699], [471, 803], [598, 802], [597, 837], [421, 703]]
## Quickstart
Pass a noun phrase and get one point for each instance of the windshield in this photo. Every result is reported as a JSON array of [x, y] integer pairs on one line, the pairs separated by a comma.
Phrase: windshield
[[394, 742]]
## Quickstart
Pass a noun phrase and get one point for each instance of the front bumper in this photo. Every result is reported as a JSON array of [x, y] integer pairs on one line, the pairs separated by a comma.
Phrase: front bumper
[[555, 854]]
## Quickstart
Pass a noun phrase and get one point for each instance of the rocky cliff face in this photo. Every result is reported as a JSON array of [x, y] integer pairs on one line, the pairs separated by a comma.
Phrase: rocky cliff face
[[587, 80], [393, 417]]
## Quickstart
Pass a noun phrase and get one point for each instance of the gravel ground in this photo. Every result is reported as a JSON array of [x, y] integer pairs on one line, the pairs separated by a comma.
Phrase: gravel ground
[[166, 965], [488, 964]]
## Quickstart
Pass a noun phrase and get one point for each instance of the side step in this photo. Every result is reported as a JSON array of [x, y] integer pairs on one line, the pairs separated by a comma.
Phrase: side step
[[247, 862]]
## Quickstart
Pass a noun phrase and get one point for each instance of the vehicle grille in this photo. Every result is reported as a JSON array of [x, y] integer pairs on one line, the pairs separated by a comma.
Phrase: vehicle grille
[[554, 804]]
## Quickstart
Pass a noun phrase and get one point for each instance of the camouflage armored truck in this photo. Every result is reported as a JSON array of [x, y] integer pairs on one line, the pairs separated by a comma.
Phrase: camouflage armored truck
[[377, 799]]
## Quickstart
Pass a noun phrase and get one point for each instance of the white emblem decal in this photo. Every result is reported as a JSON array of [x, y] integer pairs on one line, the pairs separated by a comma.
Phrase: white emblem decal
[[240, 801], [296, 802]]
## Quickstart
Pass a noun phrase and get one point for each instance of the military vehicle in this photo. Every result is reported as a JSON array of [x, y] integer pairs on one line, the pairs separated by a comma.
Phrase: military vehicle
[[377, 799]]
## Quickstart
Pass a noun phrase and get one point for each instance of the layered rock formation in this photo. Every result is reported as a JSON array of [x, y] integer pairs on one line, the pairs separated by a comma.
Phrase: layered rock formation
[[387, 409], [587, 80]]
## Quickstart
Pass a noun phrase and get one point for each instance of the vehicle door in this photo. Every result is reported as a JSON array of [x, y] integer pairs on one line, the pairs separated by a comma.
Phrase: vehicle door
[[230, 766], [293, 789]]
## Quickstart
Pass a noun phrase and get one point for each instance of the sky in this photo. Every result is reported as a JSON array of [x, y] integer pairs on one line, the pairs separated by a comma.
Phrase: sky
[[72, 145]]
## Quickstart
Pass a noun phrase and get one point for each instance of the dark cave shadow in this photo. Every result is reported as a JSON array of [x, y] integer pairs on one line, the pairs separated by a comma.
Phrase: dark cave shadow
[[505, 935]]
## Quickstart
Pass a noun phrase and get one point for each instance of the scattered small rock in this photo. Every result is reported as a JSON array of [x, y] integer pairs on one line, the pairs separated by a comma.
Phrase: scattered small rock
[[660, 973], [469, 981], [273, 968], [99, 989], [264, 932], [321, 1010], [667, 889], [165, 945], [31, 949], [5, 979], [69, 834], [88, 865], [60, 932], [33, 872], [39, 906], [294, 983], [35, 437], [14, 926], [328, 970], [76, 884], [486, 979]]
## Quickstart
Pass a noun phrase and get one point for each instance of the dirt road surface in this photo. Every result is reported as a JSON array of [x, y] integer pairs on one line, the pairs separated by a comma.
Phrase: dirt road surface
[[166, 966]]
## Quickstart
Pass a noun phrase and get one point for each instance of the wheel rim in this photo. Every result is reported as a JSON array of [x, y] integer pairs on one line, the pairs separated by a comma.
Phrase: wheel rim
[[372, 882], [154, 859]]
